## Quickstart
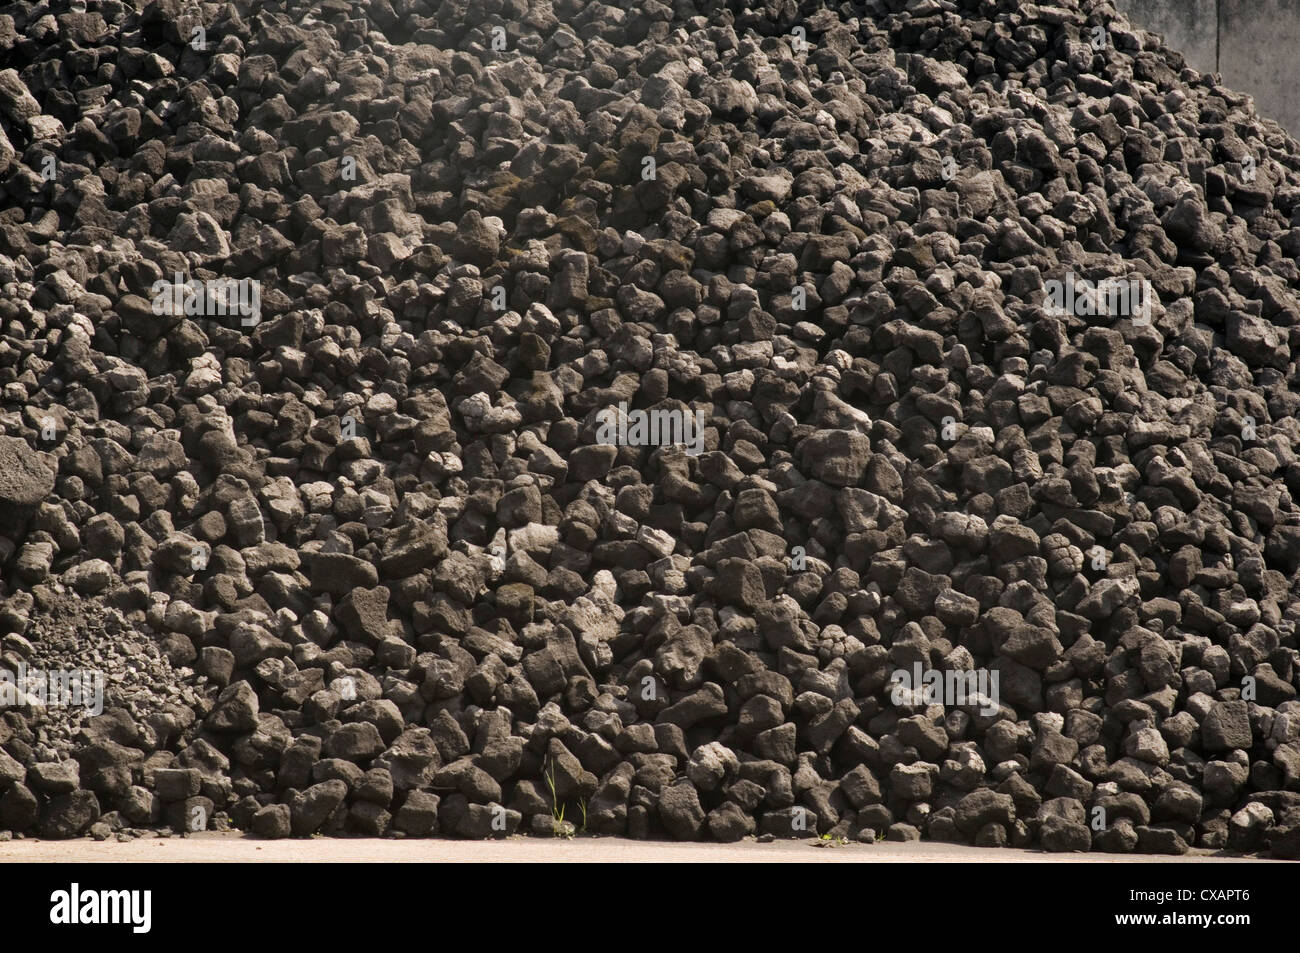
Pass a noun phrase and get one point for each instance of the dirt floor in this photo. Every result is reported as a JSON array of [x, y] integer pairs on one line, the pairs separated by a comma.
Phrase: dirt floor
[[237, 848]]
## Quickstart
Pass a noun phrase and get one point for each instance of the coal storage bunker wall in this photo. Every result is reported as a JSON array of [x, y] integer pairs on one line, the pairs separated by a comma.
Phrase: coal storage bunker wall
[[1253, 43], [701, 420]]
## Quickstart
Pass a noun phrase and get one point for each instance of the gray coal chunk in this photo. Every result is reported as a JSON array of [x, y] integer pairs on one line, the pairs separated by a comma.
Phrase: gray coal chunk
[[26, 480]]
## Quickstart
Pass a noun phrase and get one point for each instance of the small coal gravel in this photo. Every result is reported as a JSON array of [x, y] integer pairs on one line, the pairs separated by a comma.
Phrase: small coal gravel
[[483, 417]]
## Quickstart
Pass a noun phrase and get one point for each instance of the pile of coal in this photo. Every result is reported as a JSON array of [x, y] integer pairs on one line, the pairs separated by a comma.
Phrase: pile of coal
[[697, 420]]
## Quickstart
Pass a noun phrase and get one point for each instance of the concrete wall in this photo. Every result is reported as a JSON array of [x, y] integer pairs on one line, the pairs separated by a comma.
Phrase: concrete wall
[[1259, 53], [1254, 44], [1189, 26]]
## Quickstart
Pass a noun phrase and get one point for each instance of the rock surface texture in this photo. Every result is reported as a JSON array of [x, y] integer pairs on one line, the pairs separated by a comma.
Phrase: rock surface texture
[[313, 316]]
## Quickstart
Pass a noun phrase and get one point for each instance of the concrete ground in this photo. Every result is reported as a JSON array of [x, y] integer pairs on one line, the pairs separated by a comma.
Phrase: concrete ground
[[216, 847]]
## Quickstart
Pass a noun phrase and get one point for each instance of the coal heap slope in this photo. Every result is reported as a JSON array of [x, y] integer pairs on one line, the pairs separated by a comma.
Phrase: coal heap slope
[[966, 327]]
